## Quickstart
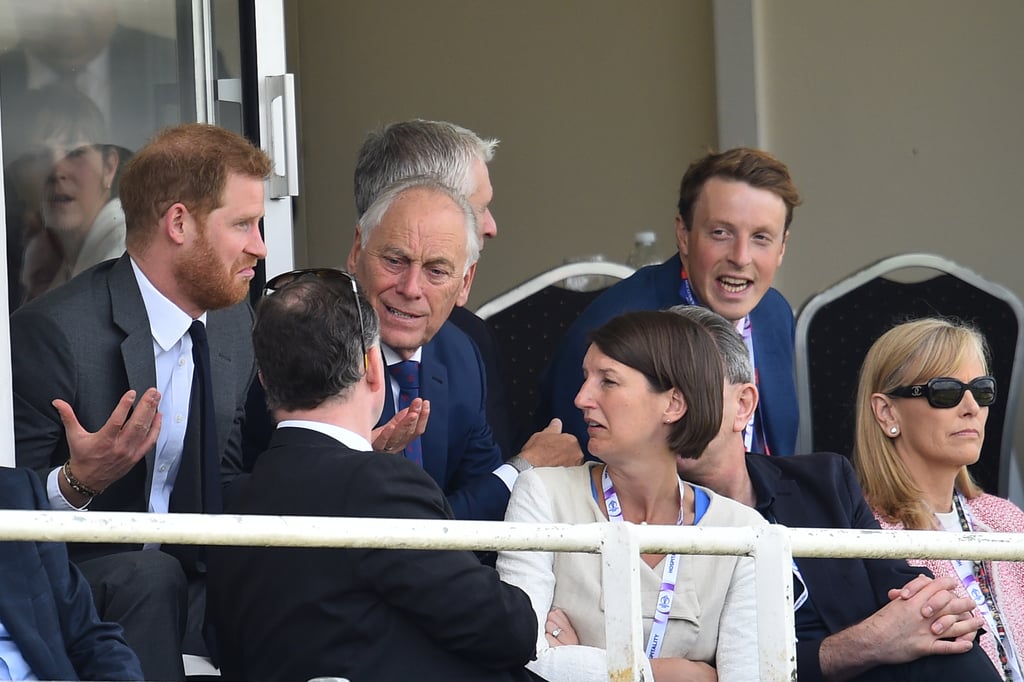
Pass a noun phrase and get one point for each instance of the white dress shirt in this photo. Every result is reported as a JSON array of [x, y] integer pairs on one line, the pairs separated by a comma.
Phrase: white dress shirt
[[172, 352], [506, 472]]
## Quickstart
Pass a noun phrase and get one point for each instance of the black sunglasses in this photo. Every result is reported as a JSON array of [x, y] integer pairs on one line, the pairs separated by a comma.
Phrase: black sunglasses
[[330, 274], [946, 392]]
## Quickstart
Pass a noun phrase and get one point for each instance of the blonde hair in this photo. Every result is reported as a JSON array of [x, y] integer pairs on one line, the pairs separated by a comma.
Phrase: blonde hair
[[909, 353]]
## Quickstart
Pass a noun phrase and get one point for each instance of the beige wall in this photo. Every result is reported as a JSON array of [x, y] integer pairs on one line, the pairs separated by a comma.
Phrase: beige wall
[[902, 124], [599, 107]]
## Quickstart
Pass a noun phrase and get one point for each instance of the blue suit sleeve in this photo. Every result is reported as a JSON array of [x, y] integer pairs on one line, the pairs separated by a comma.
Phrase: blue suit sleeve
[[97, 649]]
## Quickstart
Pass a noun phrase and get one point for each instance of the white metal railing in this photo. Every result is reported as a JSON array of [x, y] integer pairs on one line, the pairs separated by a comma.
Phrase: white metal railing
[[772, 547]]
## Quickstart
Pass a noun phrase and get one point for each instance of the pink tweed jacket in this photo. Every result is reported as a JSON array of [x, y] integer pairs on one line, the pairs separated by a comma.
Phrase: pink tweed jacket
[[996, 515]]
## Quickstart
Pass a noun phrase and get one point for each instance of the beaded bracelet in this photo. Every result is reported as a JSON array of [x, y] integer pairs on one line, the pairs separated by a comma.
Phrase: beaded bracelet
[[76, 485]]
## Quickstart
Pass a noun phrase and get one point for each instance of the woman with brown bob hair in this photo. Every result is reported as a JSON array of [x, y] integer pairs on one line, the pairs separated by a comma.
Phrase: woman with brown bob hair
[[922, 405], [652, 391]]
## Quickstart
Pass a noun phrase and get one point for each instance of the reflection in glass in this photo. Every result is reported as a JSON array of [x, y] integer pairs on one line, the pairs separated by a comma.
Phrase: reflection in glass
[[66, 191], [83, 83]]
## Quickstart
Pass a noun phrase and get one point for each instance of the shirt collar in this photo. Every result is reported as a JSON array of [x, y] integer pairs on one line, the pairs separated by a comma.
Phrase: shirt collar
[[350, 439], [39, 74], [167, 322], [392, 358]]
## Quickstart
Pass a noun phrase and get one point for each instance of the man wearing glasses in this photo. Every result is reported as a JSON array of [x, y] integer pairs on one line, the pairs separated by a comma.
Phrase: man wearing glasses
[[863, 619], [415, 252], [130, 380], [363, 614]]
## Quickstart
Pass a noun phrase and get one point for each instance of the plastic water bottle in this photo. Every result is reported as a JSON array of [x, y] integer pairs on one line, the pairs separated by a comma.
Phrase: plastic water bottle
[[644, 251]]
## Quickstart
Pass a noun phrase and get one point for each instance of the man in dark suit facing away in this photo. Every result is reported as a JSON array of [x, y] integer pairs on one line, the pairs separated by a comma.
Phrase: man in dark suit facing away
[[108, 389], [364, 614]]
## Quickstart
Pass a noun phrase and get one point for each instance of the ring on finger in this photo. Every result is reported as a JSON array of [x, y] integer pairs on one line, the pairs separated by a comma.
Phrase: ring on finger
[[556, 632]]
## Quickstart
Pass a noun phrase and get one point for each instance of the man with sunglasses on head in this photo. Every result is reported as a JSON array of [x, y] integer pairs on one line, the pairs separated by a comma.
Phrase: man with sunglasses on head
[[856, 619], [414, 252], [130, 380], [364, 614]]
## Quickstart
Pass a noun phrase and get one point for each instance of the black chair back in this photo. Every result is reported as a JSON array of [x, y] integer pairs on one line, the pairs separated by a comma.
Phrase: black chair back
[[836, 328]]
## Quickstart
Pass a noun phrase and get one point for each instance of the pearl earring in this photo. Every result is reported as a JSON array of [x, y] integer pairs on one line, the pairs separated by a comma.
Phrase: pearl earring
[[894, 430]]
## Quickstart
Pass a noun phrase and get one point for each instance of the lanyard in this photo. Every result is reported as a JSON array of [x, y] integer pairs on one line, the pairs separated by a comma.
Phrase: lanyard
[[669, 574], [965, 571], [746, 330]]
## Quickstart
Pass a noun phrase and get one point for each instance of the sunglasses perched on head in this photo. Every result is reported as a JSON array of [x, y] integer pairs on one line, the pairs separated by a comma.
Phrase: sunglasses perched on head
[[330, 275], [946, 392]]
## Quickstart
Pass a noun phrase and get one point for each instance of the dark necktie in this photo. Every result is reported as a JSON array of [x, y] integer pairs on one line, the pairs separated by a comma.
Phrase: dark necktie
[[209, 457], [407, 374]]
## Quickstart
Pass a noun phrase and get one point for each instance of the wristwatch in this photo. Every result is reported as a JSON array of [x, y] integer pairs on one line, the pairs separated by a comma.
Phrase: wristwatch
[[519, 463]]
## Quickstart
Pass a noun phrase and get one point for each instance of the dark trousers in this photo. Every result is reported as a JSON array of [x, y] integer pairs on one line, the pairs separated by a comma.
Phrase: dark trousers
[[146, 592]]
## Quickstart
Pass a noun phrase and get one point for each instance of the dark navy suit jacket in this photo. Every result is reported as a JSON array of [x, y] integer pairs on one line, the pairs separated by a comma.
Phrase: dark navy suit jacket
[[821, 491], [657, 287], [459, 451], [497, 405], [46, 604]]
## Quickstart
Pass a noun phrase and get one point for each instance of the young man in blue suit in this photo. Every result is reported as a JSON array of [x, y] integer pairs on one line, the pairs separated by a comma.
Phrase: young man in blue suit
[[48, 624], [415, 252], [363, 614], [735, 208], [862, 619]]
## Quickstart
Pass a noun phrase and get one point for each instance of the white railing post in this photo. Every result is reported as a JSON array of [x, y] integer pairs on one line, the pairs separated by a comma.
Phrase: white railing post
[[623, 626], [776, 640]]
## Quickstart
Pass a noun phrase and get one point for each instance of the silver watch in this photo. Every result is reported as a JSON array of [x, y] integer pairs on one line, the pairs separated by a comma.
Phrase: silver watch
[[519, 463]]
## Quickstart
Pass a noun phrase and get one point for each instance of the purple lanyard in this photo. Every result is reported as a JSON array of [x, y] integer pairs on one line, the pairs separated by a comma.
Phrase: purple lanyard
[[965, 571], [669, 574], [746, 330]]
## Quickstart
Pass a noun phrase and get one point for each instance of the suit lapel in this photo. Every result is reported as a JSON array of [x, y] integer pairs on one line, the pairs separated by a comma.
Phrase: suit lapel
[[434, 387], [129, 314], [223, 375], [389, 405]]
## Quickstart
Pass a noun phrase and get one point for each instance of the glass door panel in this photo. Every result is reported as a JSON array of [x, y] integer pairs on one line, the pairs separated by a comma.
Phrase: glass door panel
[[83, 84]]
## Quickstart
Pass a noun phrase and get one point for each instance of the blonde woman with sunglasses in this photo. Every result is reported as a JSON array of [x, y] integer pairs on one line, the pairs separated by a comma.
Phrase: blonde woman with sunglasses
[[922, 404]]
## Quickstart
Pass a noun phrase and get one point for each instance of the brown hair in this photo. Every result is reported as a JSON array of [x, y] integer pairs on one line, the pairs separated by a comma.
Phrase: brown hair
[[755, 167], [909, 353], [190, 164], [672, 351]]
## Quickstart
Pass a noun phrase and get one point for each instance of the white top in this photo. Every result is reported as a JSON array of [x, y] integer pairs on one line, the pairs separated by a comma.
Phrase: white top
[[713, 615]]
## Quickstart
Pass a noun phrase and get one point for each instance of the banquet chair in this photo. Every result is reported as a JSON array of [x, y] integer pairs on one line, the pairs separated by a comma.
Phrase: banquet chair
[[835, 329], [528, 323]]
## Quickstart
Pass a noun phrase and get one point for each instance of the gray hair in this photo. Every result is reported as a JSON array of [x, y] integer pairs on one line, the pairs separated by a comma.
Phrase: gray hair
[[373, 216], [418, 147], [735, 356]]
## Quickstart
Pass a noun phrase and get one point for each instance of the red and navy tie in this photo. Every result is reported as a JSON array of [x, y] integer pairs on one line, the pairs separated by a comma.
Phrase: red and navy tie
[[407, 374]]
